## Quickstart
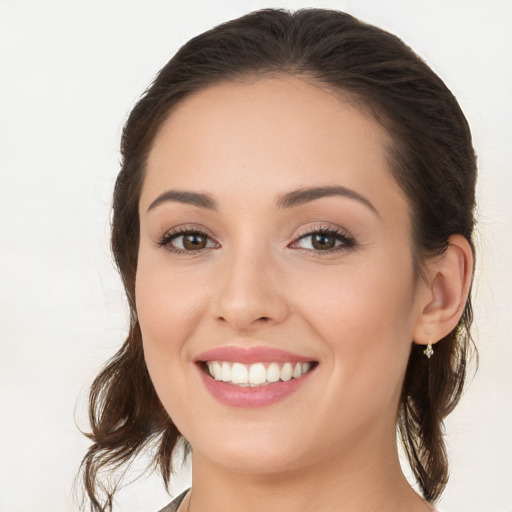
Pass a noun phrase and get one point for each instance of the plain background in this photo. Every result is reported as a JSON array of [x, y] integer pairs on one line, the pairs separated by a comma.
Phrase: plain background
[[70, 72]]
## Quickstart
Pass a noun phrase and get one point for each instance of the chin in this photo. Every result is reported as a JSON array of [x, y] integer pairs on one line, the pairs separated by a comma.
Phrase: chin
[[263, 454]]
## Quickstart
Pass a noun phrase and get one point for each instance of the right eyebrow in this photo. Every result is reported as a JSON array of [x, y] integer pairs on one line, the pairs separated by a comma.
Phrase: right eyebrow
[[186, 197]]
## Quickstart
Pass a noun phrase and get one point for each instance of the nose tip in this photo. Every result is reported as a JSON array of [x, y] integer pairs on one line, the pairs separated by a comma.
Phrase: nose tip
[[250, 314], [250, 297]]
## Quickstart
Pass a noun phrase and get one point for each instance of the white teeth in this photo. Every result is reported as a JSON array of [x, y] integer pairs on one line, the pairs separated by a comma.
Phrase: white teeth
[[273, 372], [258, 374], [226, 372], [286, 372], [216, 370], [239, 374]]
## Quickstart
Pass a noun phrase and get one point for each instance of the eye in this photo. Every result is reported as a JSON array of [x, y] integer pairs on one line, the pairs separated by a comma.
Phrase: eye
[[182, 240], [324, 239]]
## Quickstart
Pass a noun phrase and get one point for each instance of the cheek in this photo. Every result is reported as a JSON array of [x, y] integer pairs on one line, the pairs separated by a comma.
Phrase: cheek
[[167, 306], [364, 316], [168, 309], [361, 299]]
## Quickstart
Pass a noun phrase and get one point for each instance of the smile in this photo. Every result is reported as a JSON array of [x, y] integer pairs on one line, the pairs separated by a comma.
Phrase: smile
[[257, 374]]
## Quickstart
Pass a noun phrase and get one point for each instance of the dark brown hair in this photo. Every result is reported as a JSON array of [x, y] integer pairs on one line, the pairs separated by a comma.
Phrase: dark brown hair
[[432, 160]]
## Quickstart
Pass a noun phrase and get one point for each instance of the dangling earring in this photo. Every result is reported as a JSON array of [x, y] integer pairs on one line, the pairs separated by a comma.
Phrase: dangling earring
[[429, 351]]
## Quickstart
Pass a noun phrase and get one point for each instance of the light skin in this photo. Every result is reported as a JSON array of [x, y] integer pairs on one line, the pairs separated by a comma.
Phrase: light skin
[[260, 279]]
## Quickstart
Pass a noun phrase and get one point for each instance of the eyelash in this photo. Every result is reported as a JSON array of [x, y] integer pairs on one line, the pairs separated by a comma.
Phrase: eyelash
[[166, 240], [346, 240]]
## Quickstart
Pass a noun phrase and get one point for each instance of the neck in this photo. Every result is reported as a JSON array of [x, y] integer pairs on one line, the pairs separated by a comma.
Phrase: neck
[[360, 481]]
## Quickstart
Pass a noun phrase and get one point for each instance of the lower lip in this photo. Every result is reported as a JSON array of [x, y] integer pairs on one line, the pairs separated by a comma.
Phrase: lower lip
[[261, 396]]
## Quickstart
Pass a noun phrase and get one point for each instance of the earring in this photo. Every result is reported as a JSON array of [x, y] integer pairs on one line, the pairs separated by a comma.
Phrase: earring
[[429, 351]]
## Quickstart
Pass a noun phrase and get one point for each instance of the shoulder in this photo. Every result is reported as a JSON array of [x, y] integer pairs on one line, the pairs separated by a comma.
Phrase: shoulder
[[175, 503]]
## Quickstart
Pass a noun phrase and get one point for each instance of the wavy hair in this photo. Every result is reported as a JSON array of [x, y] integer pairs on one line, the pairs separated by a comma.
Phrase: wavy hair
[[431, 159]]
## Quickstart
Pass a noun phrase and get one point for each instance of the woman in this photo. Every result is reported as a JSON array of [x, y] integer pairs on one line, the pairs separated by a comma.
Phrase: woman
[[293, 225]]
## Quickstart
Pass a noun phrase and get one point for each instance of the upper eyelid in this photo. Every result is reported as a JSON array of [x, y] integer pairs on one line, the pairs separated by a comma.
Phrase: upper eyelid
[[180, 230], [324, 229], [184, 229]]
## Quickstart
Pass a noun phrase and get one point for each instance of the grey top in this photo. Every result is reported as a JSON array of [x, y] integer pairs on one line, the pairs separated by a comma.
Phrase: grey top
[[175, 503]]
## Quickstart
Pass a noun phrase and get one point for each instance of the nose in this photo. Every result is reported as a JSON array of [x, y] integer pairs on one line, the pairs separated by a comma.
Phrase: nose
[[251, 294]]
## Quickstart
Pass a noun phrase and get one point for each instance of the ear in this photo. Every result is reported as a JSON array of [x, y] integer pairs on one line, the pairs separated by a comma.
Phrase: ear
[[443, 297]]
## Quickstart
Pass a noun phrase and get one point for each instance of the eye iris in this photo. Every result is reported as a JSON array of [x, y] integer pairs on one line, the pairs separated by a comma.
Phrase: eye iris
[[194, 241], [323, 241]]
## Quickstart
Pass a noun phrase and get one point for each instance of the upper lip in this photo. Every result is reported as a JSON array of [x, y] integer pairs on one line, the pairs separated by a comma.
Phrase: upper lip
[[251, 355]]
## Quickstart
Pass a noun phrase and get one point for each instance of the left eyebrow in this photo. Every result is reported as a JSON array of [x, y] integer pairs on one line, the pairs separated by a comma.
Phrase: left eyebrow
[[305, 195]]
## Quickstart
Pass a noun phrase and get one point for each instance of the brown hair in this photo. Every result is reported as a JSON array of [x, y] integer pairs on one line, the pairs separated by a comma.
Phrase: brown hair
[[432, 160]]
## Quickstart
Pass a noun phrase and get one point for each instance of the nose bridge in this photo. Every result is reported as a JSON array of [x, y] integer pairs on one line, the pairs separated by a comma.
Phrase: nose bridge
[[249, 293]]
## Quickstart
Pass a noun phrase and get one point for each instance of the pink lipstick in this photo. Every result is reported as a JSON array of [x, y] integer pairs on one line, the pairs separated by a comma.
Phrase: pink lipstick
[[253, 377]]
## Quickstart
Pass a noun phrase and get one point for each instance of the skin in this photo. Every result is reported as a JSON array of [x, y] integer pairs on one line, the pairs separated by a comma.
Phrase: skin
[[331, 445]]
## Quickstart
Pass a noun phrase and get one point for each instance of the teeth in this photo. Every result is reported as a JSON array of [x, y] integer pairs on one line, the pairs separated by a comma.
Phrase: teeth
[[216, 370], [258, 374], [273, 372], [286, 372], [226, 372], [239, 374]]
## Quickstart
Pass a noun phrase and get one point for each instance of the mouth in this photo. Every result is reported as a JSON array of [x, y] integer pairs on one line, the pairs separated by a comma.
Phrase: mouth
[[258, 374]]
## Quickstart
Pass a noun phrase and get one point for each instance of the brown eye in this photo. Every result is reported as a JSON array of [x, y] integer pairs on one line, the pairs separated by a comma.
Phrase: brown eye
[[187, 241], [323, 241], [194, 241]]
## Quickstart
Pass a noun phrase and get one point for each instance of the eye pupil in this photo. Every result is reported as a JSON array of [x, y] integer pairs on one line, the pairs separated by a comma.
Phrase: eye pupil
[[194, 241], [323, 241]]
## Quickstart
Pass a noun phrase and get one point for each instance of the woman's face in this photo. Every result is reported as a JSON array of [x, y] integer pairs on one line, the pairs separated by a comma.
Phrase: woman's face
[[274, 240]]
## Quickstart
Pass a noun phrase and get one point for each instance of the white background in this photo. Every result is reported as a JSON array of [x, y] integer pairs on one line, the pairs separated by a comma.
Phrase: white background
[[70, 72]]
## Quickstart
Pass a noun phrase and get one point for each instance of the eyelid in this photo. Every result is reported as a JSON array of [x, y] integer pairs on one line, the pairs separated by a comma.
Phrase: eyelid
[[173, 233], [322, 228], [348, 241]]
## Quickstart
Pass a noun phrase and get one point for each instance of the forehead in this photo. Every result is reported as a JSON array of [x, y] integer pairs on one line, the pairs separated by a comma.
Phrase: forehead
[[268, 135]]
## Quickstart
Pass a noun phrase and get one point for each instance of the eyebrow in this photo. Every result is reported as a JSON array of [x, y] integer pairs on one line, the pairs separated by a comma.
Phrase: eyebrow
[[305, 195], [186, 197], [288, 200]]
